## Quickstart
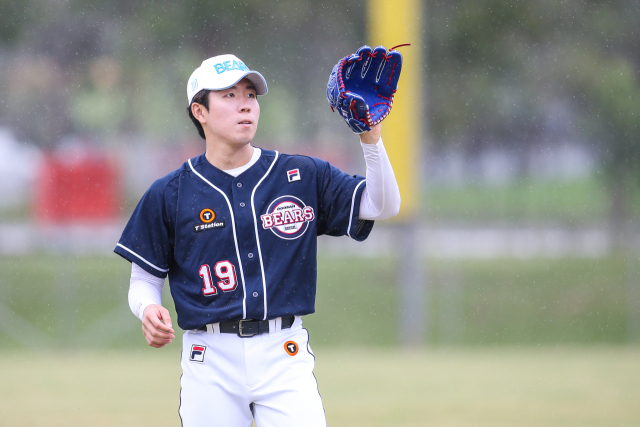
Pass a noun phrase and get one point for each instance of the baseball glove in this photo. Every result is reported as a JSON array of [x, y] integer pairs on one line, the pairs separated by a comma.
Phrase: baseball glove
[[362, 85]]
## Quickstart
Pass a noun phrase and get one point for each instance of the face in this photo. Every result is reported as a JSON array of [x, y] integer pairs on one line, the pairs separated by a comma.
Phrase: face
[[233, 114]]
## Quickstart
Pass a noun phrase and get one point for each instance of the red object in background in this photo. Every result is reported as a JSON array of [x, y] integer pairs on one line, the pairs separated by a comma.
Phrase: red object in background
[[80, 185]]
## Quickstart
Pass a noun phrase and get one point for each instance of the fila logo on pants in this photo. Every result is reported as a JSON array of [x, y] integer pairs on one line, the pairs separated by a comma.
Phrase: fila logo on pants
[[197, 353]]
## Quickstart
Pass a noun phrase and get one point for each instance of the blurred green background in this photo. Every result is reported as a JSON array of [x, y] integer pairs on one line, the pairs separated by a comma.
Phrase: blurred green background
[[527, 234], [81, 301]]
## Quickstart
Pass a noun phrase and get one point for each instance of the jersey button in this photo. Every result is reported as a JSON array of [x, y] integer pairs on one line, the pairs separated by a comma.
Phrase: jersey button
[[250, 255], [239, 184], [242, 204], [255, 295]]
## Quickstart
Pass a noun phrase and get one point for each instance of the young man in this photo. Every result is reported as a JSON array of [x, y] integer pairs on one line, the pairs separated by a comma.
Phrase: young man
[[235, 230]]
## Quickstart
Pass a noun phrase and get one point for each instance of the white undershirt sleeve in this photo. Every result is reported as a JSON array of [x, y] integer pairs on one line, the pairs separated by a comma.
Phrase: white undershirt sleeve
[[144, 289], [381, 197]]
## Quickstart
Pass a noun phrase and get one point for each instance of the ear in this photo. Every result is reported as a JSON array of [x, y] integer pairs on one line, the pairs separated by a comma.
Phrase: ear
[[198, 112]]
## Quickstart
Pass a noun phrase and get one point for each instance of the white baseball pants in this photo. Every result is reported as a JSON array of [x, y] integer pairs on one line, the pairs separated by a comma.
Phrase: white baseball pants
[[227, 380]]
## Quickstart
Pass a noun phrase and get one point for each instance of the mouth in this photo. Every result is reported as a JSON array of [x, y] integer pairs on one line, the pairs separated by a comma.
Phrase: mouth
[[245, 122]]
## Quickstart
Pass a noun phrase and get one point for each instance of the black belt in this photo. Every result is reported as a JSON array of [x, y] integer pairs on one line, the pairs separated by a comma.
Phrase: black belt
[[248, 328]]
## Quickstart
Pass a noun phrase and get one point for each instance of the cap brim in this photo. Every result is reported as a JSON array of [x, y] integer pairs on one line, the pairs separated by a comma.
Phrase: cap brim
[[254, 77], [258, 81]]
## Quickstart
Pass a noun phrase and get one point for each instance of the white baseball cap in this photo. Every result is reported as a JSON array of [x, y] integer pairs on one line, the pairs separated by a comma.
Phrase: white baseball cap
[[222, 72]]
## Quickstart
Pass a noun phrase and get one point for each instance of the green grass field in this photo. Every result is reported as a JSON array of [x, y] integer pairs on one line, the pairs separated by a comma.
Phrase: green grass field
[[360, 386], [81, 302], [510, 342]]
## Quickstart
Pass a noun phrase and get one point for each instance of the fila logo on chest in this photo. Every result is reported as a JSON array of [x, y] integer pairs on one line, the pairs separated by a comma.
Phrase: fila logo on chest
[[293, 175]]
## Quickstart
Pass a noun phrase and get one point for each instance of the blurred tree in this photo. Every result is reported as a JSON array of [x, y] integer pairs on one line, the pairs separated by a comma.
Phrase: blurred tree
[[13, 17], [606, 84], [608, 90], [156, 45], [502, 72]]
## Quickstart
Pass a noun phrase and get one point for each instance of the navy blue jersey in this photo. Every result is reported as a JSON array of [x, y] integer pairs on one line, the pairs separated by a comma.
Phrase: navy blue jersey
[[242, 247]]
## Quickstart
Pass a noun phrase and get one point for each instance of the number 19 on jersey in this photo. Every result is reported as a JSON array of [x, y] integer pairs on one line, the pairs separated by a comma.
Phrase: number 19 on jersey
[[225, 271]]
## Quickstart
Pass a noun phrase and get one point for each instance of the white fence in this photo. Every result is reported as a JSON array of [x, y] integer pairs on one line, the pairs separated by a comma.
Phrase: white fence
[[436, 242]]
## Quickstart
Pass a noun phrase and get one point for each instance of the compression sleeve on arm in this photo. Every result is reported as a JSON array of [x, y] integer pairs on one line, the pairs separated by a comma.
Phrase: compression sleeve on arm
[[144, 289], [381, 197]]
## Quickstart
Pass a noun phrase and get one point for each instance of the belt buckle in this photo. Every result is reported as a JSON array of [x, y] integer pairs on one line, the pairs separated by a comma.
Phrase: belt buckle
[[240, 334]]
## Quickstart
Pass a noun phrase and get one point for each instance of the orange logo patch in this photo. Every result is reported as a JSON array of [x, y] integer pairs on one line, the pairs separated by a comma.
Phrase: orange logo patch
[[207, 216], [291, 348]]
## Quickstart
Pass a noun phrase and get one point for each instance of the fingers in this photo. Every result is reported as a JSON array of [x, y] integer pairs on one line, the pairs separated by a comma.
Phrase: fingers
[[378, 62], [354, 110], [359, 68], [356, 106], [157, 326], [166, 318], [155, 337], [359, 52], [390, 73]]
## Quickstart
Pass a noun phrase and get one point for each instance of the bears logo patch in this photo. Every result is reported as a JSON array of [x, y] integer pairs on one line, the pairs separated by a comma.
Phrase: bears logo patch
[[287, 217]]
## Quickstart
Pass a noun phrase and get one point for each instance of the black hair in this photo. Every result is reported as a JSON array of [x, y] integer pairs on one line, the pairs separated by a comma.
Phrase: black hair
[[201, 98]]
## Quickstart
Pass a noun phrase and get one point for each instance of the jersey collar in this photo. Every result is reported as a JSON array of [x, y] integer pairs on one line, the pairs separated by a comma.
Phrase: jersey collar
[[252, 175]]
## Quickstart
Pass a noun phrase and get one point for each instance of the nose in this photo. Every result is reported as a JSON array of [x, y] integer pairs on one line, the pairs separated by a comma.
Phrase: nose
[[245, 106]]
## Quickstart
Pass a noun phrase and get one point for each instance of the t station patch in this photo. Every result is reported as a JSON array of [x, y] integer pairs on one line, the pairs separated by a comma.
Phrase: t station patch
[[208, 216], [209, 226], [197, 353], [287, 217], [291, 347]]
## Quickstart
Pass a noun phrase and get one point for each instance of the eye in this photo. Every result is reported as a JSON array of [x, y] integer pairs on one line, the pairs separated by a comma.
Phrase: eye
[[230, 95], [252, 95]]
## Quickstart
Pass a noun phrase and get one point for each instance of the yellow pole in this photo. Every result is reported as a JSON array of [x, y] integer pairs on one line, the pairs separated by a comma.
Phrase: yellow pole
[[394, 22], [391, 23]]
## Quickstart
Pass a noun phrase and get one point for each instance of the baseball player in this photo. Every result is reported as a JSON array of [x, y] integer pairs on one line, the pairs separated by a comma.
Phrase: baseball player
[[235, 231]]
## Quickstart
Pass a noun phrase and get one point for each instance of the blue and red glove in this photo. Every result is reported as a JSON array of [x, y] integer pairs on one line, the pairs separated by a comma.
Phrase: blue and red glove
[[362, 86]]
